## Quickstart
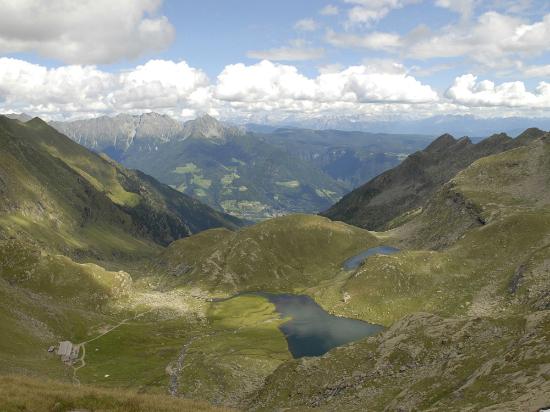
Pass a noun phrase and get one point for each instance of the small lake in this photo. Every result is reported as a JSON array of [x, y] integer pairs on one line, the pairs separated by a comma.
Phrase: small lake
[[355, 261], [312, 331]]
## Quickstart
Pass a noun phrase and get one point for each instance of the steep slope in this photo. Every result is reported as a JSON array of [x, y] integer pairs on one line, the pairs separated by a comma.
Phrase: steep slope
[[115, 135], [482, 346], [208, 127], [241, 174], [39, 395], [254, 176], [69, 199], [427, 363], [409, 185]]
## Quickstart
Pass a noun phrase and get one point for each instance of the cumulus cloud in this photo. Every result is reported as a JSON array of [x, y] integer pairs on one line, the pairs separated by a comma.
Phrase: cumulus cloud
[[464, 7], [494, 40], [297, 50], [467, 90], [370, 11], [329, 10], [536, 71], [372, 41], [86, 90], [306, 25], [270, 82], [179, 89], [85, 31], [491, 39]]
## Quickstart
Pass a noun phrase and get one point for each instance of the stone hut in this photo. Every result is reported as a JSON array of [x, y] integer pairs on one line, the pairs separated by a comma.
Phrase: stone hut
[[68, 351]]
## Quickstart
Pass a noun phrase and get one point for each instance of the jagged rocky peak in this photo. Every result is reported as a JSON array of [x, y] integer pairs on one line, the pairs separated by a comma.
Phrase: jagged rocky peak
[[209, 127], [531, 134], [442, 142]]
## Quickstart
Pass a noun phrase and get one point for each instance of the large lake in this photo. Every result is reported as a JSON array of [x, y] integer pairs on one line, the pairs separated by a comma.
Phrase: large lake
[[312, 331]]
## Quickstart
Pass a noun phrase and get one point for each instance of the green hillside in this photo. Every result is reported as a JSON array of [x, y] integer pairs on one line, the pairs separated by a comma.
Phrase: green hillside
[[465, 301], [243, 175], [69, 199], [485, 288], [409, 186], [283, 254]]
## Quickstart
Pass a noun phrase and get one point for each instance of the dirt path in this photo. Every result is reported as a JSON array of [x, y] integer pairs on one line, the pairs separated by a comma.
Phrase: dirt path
[[82, 345]]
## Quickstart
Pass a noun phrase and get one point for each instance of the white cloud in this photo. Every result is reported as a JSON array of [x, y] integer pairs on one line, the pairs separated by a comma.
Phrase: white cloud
[[375, 89], [463, 7], [306, 25], [370, 11], [86, 90], [277, 83], [536, 71], [494, 40], [84, 31], [372, 41], [297, 50], [490, 41], [181, 90], [467, 90], [329, 10]]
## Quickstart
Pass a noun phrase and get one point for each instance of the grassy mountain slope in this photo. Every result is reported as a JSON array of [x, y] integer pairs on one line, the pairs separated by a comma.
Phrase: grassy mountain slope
[[466, 300], [72, 200], [39, 395], [409, 185], [243, 174], [485, 286], [424, 362], [282, 254]]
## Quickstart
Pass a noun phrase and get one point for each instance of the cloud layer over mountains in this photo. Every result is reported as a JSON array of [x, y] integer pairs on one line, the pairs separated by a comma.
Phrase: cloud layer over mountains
[[395, 71], [239, 90]]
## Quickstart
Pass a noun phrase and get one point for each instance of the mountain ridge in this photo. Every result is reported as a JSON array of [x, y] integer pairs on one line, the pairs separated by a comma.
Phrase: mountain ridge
[[409, 185]]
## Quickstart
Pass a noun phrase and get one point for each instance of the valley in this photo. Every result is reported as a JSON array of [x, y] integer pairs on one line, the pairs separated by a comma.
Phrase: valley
[[161, 291], [252, 175]]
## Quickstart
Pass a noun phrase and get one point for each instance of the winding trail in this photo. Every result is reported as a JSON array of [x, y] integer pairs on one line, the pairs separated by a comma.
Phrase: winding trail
[[82, 345]]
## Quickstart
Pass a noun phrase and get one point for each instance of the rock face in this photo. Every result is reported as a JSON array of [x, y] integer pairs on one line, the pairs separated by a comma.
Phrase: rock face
[[209, 128], [424, 362], [251, 175], [409, 185], [115, 135]]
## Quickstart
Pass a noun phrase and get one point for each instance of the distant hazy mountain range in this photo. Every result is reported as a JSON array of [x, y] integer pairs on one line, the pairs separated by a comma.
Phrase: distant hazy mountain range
[[253, 175], [435, 126]]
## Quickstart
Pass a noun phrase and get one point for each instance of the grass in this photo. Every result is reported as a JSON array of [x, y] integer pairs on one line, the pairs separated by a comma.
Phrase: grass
[[283, 254], [243, 346], [136, 354], [25, 394], [291, 184], [188, 168]]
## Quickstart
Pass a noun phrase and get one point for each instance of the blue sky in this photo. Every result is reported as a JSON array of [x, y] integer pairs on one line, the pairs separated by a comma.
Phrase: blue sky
[[242, 59]]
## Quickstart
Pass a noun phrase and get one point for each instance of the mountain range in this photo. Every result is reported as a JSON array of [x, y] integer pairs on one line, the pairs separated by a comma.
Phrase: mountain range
[[153, 287], [408, 186], [58, 193], [457, 125], [251, 175]]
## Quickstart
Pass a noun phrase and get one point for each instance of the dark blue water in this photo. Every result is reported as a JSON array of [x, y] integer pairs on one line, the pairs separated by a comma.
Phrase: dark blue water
[[312, 331], [355, 261]]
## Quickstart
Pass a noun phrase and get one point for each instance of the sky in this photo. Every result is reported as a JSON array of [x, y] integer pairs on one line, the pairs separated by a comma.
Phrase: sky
[[267, 61]]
